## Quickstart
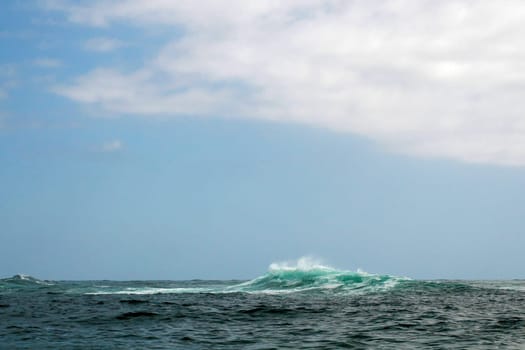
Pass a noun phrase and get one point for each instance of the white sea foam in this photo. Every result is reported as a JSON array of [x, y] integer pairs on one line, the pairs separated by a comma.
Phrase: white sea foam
[[150, 290], [30, 279], [516, 285]]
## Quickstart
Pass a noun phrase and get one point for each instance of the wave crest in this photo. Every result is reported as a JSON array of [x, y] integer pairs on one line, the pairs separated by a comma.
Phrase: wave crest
[[302, 276], [308, 274], [24, 280]]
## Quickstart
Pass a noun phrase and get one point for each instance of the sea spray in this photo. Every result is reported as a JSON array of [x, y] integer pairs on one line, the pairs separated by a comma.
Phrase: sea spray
[[310, 275]]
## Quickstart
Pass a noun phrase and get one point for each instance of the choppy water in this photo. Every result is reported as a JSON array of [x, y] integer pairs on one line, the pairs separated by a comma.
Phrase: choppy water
[[313, 307]]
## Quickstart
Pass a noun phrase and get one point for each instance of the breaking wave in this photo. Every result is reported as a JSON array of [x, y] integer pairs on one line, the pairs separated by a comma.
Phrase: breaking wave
[[24, 280], [309, 275], [304, 275]]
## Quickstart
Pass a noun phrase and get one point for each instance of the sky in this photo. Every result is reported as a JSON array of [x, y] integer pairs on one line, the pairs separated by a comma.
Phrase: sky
[[179, 139]]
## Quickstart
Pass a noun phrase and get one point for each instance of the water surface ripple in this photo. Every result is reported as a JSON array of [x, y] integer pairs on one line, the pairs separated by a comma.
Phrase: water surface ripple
[[280, 310]]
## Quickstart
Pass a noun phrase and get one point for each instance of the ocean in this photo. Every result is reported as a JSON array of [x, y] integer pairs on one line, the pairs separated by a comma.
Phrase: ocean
[[317, 307]]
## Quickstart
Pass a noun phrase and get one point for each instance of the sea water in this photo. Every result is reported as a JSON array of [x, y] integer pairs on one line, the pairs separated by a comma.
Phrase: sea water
[[289, 307]]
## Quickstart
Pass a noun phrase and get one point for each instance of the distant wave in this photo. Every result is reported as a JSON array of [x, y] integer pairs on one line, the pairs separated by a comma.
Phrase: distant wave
[[309, 275], [24, 280], [303, 275]]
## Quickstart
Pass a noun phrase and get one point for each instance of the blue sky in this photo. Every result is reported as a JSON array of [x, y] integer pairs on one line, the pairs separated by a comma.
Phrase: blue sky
[[166, 140]]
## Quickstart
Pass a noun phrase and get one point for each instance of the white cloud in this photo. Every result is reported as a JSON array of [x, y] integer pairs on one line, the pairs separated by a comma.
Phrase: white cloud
[[47, 63], [145, 94], [111, 146], [103, 44], [429, 78]]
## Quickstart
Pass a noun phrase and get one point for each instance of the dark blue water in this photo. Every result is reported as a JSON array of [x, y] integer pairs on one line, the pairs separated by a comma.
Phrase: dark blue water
[[288, 308]]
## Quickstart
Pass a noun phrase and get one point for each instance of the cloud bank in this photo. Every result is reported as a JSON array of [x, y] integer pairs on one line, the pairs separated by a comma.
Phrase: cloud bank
[[428, 78]]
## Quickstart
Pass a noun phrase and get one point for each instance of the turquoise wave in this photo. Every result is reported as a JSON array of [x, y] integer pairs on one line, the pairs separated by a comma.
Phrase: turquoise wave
[[283, 278], [303, 276]]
